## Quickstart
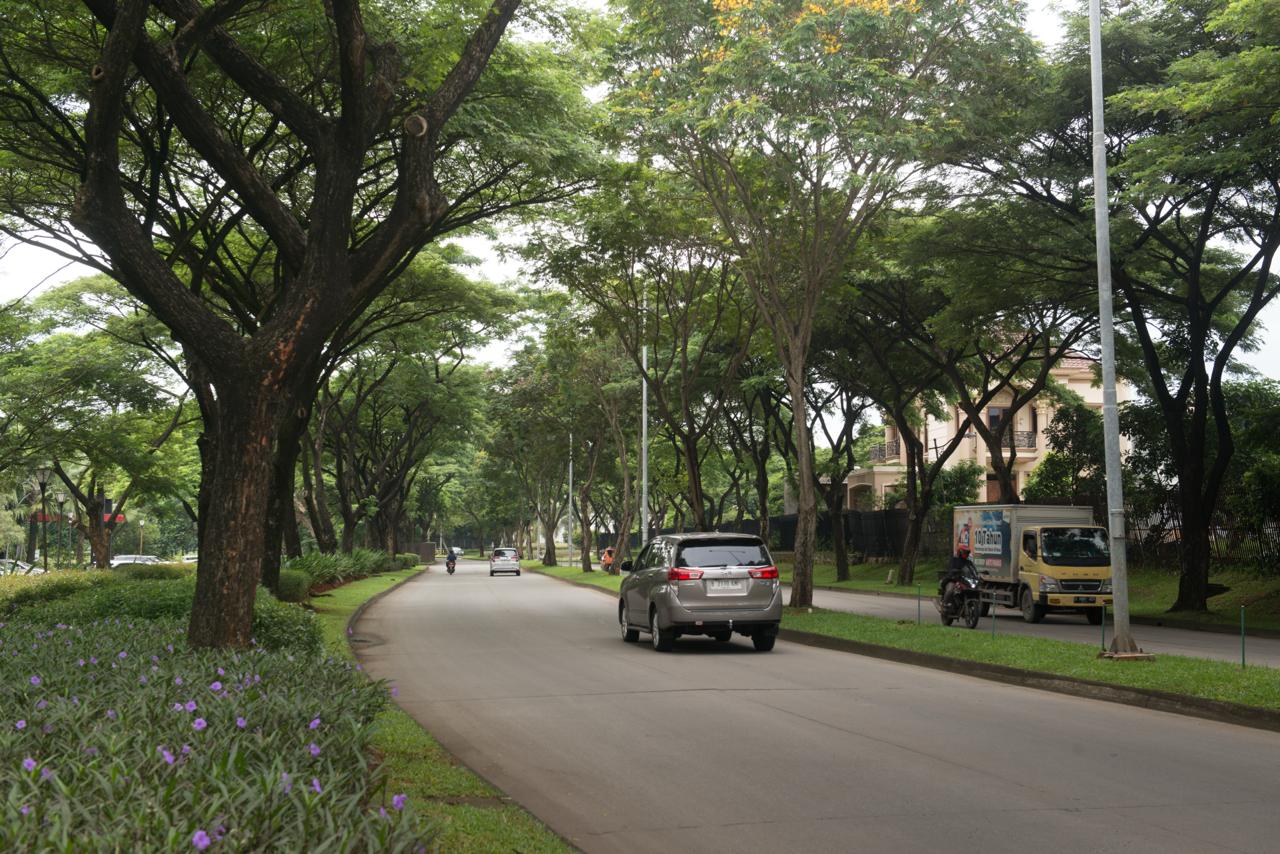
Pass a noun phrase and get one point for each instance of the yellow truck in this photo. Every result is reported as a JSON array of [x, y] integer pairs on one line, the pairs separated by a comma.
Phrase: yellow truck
[[1037, 558]]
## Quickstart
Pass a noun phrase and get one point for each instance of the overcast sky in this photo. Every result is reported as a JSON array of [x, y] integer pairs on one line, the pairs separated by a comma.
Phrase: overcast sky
[[23, 268]]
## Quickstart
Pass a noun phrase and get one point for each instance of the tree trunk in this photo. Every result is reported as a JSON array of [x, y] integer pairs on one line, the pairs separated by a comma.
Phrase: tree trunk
[[834, 496], [1193, 583], [240, 456], [313, 491], [549, 554], [584, 514], [806, 493], [292, 540], [280, 503], [696, 496]]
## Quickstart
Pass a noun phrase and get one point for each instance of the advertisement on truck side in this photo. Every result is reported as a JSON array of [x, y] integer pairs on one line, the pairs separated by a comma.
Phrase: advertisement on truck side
[[986, 535]]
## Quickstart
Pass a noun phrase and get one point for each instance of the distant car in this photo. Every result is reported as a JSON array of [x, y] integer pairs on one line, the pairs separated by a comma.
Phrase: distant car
[[504, 560], [8, 566], [195, 558], [121, 560], [701, 584]]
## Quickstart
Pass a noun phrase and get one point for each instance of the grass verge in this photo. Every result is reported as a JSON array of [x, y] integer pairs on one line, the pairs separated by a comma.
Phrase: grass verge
[[467, 814], [603, 580], [1151, 590], [1211, 680]]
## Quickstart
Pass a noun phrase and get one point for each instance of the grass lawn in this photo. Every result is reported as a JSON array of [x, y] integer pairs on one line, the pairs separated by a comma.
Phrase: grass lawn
[[1151, 591], [464, 810], [1214, 680], [574, 573]]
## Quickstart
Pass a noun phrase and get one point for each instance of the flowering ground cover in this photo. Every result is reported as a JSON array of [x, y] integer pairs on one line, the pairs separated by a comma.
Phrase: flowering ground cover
[[115, 736]]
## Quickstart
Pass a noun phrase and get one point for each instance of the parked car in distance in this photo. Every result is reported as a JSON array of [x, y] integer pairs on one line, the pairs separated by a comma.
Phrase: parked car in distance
[[504, 560], [121, 560], [9, 566], [193, 558], [701, 584]]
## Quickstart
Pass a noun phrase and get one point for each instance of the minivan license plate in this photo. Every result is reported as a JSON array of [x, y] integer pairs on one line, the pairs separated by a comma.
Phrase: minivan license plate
[[725, 584]]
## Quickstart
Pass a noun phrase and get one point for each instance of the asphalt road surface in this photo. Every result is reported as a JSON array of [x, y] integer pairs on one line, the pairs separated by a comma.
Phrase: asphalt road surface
[[1068, 627], [716, 748]]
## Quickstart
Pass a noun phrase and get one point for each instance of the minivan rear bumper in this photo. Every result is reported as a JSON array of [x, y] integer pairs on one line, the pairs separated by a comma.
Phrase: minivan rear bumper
[[671, 614]]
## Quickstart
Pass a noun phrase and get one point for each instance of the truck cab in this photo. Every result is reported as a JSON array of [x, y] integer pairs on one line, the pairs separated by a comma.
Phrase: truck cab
[[1064, 568]]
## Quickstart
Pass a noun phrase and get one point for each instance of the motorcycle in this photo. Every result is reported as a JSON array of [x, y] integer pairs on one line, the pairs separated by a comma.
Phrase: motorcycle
[[450, 564], [959, 596]]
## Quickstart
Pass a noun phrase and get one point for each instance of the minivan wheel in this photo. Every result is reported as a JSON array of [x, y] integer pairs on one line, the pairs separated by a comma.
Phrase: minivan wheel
[[662, 640], [629, 634], [763, 642]]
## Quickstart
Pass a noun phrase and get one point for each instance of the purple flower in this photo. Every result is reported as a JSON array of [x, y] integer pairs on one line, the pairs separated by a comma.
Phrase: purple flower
[[216, 686], [169, 647], [24, 809], [177, 680], [285, 783], [28, 764], [314, 748], [315, 785], [315, 724], [20, 725], [221, 672], [45, 773], [92, 751], [186, 748], [123, 654], [241, 723], [168, 757], [200, 840], [395, 692], [142, 680], [177, 707], [382, 811], [35, 680], [190, 706], [199, 724], [398, 801], [111, 714], [46, 729], [40, 706], [154, 659], [81, 662], [93, 660]]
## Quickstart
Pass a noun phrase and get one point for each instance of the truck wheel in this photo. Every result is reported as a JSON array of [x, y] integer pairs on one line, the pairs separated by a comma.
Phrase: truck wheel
[[1094, 615], [1032, 611]]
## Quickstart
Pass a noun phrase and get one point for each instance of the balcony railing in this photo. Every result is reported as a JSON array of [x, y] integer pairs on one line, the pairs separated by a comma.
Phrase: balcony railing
[[1024, 438], [890, 450]]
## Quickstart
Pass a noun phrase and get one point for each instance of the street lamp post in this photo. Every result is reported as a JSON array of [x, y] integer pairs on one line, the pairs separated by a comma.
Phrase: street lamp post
[[60, 498], [1122, 641], [140, 524], [42, 479]]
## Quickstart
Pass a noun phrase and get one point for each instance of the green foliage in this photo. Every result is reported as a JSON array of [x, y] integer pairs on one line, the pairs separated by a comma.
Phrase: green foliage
[[295, 586], [1073, 470], [155, 571], [281, 625], [21, 591], [330, 568], [117, 761], [407, 560]]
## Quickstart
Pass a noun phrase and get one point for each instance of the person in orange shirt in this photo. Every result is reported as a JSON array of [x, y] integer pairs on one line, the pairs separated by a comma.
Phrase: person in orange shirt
[[606, 559]]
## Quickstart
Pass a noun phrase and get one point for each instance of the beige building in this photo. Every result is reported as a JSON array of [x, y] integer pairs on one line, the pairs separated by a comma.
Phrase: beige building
[[868, 486]]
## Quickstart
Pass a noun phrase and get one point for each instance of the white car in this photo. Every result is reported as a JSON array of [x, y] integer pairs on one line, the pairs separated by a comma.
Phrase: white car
[[17, 567], [504, 560], [121, 560]]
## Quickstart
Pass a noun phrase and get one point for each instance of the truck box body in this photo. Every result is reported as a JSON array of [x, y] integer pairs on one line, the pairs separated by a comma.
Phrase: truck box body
[[992, 532]]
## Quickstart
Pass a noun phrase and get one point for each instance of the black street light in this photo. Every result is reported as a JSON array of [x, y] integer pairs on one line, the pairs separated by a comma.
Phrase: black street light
[[60, 498], [43, 475]]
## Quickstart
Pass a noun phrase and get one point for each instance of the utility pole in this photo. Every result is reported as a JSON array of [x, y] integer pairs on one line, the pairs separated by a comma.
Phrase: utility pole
[[644, 426], [1122, 641], [569, 538]]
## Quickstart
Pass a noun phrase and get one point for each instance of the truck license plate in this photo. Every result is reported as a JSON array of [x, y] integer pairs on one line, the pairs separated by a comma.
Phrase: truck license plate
[[1086, 600], [725, 584]]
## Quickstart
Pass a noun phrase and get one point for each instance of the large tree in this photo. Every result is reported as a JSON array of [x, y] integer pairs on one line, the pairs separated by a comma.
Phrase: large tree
[[800, 121], [256, 174], [1195, 181]]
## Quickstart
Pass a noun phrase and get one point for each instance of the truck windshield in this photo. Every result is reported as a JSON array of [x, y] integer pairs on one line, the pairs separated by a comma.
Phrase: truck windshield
[[727, 553], [1075, 546]]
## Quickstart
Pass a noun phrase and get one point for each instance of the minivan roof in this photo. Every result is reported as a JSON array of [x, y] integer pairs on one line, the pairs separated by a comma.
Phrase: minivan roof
[[712, 535]]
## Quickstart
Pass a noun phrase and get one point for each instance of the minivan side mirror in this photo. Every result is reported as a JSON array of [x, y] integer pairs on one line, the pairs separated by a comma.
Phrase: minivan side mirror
[[627, 566]]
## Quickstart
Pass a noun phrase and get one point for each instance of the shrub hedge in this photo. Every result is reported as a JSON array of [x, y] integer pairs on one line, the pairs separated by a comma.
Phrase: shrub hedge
[[294, 586], [150, 571], [116, 737], [334, 568]]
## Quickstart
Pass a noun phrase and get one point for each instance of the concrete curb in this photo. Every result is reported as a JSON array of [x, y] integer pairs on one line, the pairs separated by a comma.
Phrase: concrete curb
[[1146, 698], [359, 611], [612, 594], [1163, 701]]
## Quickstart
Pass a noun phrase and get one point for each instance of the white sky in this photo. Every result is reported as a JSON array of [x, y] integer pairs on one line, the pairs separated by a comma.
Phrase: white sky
[[23, 268]]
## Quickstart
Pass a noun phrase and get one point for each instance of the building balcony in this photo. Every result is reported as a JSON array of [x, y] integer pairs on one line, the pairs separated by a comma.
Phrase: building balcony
[[889, 451]]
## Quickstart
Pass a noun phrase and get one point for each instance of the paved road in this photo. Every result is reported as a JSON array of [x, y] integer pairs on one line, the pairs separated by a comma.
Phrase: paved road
[[1068, 627], [711, 748]]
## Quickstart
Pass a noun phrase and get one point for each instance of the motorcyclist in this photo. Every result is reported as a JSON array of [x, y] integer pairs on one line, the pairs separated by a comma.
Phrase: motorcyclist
[[955, 567]]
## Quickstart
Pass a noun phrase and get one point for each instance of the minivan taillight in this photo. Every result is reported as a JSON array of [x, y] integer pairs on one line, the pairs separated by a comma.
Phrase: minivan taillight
[[679, 573], [765, 572]]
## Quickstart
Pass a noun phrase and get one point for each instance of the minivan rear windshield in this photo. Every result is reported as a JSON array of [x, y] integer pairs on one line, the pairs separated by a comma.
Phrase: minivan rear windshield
[[504, 552], [724, 554], [1075, 546]]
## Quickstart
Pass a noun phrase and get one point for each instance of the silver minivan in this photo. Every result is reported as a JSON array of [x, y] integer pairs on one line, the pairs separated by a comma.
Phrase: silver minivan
[[701, 584]]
